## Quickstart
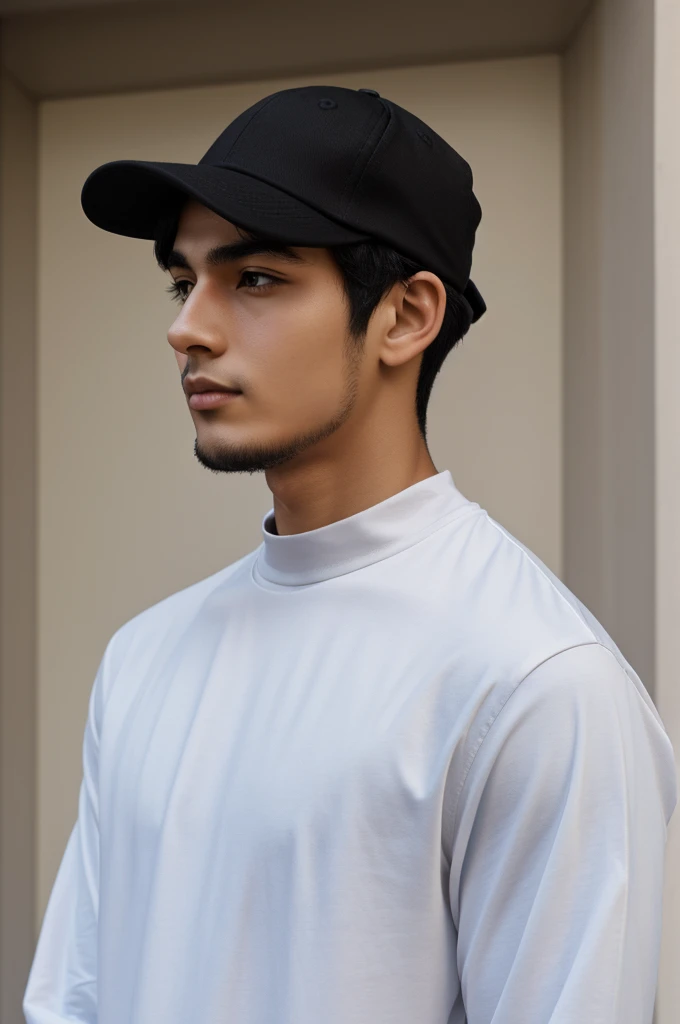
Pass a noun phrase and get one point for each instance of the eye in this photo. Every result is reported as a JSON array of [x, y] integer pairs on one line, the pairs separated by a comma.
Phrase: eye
[[179, 289], [258, 273]]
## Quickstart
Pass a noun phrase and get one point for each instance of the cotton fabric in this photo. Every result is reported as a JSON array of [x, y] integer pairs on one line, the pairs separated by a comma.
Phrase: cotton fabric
[[383, 772]]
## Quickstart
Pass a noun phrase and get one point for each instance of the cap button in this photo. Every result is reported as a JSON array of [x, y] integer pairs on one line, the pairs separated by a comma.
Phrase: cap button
[[371, 92]]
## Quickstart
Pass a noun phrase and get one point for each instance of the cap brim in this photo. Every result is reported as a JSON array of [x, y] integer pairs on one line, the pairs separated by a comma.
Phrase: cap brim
[[127, 197]]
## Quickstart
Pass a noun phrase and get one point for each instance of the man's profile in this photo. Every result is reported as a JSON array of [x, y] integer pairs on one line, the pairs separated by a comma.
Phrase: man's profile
[[385, 768]]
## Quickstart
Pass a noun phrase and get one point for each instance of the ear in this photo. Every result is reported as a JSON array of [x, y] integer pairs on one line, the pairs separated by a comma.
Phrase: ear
[[416, 310]]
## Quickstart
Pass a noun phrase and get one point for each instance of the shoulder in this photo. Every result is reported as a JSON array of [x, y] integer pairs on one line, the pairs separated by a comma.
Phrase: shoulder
[[145, 632], [541, 673], [517, 612], [580, 716]]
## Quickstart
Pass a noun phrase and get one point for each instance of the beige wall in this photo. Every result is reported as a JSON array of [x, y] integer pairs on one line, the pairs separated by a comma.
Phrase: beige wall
[[622, 360], [584, 452], [667, 433], [126, 514], [18, 179], [609, 324]]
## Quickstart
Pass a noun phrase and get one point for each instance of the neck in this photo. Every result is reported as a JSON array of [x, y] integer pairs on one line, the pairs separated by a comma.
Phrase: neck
[[309, 497], [362, 539]]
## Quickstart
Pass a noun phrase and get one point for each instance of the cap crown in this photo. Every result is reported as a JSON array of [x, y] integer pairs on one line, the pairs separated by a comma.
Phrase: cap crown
[[364, 161]]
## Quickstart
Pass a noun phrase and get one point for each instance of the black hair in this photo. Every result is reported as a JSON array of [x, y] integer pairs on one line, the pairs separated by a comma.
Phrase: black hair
[[369, 270]]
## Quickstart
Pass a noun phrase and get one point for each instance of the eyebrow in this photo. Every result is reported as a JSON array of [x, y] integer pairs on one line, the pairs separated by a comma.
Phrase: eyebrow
[[238, 250]]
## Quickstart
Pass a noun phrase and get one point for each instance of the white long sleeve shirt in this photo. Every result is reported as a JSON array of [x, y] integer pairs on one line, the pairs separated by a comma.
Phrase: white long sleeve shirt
[[383, 772]]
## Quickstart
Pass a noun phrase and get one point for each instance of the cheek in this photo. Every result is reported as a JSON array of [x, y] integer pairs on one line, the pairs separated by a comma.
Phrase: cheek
[[304, 334], [300, 357]]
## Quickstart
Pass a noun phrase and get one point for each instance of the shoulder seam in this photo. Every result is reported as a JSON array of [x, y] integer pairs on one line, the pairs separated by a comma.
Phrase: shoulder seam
[[489, 725]]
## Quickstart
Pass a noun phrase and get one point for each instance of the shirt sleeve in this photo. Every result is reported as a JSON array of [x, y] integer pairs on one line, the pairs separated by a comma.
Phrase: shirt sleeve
[[62, 984], [558, 856]]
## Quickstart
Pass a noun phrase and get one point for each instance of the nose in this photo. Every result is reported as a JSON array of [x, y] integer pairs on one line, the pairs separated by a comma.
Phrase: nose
[[197, 325]]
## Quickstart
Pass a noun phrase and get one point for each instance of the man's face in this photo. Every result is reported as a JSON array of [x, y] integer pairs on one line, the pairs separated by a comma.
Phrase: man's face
[[276, 329]]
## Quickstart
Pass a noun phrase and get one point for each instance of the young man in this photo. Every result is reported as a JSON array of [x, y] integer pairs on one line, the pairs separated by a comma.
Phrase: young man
[[386, 767]]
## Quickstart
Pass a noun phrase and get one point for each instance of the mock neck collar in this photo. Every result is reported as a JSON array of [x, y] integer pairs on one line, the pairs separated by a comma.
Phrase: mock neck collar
[[368, 536]]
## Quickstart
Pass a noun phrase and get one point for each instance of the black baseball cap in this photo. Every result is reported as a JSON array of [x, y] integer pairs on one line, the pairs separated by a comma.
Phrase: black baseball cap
[[319, 165]]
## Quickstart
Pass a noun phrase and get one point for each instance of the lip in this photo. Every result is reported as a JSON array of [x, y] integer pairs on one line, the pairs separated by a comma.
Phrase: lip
[[199, 383], [204, 393], [212, 399]]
